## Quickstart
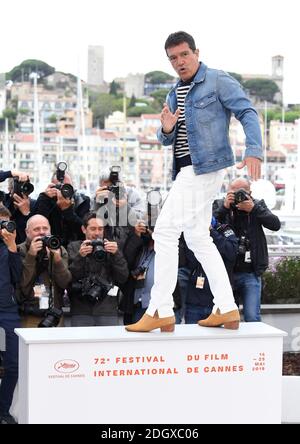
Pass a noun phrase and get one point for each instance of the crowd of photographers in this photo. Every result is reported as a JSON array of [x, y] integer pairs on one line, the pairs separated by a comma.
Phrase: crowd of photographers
[[96, 255]]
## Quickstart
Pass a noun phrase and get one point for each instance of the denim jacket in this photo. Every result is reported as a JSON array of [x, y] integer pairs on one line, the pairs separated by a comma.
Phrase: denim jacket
[[213, 96]]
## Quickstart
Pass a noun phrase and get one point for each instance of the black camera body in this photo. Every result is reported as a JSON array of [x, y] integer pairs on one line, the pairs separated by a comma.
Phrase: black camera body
[[22, 188], [118, 190], [244, 245], [8, 225], [240, 196], [92, 289], [52, 242], [98, 253], [51, 317]]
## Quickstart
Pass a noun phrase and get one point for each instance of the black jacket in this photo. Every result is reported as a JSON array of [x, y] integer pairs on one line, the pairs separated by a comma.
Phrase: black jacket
[[113, 271], [5, 175], [64, 223], [253, 224], [19, 217], [10, 275]]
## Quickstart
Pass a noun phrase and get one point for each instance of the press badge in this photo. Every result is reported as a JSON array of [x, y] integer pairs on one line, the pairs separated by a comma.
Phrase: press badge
[[248, 257], [200, 282]]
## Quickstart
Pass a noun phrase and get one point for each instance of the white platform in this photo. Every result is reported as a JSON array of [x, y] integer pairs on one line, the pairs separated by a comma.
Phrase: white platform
[[108, 375]]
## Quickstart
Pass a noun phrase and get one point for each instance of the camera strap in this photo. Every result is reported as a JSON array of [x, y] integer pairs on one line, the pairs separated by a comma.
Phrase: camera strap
[[51, 299]]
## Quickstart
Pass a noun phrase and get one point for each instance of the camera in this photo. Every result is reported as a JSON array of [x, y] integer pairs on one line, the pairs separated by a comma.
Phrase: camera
[[8, 225], [22, 188], [52, 242], [139, 275], [98, 253], [240, 196], [114, 174], [92, 289], [66, 189], [116, 187], [51, 317], [244, 245]]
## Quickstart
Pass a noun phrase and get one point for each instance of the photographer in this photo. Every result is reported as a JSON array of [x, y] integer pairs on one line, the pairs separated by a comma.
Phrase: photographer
[[19, 203], [109, 177], [117, 206], [45, 271], [96, 265], [10, 275], [199, 298], [247, 217], [63, 210]]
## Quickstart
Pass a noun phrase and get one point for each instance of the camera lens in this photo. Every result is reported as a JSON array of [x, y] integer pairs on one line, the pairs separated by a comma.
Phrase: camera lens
[[52, 242], [67, 191], [27, 188], [240, 196], [51, 318], [99, 254], [8, 225]]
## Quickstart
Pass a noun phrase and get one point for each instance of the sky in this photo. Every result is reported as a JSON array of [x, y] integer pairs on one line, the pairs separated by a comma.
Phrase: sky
[[234, 35]]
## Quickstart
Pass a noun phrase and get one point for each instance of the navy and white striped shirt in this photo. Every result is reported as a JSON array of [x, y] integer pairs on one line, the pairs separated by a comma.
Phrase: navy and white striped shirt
[[181, 144]]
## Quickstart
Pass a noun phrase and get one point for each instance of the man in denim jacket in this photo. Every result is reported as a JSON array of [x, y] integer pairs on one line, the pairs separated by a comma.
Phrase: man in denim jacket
[[195, 121]]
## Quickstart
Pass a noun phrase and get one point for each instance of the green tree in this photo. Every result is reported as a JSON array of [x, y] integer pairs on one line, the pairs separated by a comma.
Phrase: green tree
[[23, 111], [136, 111], [282, 285], [160, 97], [157, 77], [236, 76], [11, 115], [23, 71], [132, 101], [102, 106], [53, 118], [276, 114], [263, 88], [114, 88]]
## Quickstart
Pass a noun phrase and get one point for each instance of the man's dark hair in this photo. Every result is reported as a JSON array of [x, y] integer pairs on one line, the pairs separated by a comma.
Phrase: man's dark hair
[[88, 216], [4, 212], [179, 37]]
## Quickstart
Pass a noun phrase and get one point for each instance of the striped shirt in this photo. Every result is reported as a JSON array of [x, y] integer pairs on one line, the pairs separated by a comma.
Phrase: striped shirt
[[181, 144]]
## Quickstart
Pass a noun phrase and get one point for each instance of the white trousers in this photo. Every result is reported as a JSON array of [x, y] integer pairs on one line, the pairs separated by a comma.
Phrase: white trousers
[[188, 209]]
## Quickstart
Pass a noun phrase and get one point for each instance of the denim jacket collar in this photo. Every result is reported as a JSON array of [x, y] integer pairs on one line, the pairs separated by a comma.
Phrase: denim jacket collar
[[199, 77]]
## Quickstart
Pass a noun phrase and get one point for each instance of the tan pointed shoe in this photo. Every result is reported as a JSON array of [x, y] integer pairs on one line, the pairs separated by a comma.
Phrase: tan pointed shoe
[[148, 323], [230, 320]]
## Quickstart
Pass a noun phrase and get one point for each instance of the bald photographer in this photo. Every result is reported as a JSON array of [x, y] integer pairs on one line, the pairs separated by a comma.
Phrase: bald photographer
[[45, 275], [247, 217]]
